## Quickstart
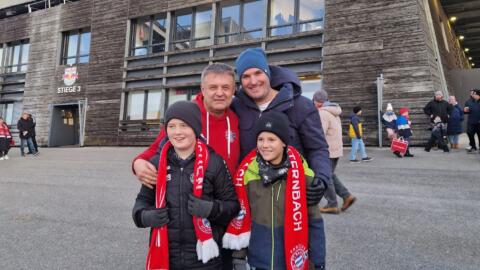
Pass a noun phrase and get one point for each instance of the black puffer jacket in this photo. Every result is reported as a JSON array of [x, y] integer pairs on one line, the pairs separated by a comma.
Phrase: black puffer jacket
[[217, 186], [25, 125], [436, 108]]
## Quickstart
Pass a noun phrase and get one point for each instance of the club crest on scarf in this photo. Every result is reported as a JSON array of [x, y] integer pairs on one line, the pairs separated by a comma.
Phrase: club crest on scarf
[[204, 225], [238, 221], [299, 256]]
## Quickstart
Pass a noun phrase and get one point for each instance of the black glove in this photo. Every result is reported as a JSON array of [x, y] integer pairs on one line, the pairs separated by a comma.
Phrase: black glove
[[198, 207], [315, 192], [155, 217], [239, 264]]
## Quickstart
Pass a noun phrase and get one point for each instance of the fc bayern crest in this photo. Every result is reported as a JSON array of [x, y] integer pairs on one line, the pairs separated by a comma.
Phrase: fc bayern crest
[[204, 225], [299, 257], [238, 221], [70, 76]]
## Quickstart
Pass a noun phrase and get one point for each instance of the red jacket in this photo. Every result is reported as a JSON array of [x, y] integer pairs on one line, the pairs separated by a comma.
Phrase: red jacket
[[216, 135], [5, 132]]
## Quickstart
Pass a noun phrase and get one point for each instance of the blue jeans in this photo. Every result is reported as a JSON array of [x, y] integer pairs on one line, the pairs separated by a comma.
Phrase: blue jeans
[[453, 139], [29, 141], [356, 145]]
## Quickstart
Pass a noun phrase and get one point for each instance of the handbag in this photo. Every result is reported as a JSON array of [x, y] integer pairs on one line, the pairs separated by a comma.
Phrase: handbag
[[399, 145]]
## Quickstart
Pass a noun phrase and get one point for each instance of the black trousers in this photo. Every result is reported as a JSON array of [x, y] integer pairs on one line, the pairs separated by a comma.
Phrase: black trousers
[[473, 129]]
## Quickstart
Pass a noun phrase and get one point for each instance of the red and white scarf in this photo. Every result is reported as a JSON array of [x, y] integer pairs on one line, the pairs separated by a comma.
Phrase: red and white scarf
[[296, 213], [207, 248]]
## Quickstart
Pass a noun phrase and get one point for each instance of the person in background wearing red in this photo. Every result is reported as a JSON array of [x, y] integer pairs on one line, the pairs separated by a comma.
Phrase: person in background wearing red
[[5, 140]]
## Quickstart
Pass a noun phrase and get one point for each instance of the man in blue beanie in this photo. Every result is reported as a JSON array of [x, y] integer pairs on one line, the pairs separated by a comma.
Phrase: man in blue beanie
[[271, 88]]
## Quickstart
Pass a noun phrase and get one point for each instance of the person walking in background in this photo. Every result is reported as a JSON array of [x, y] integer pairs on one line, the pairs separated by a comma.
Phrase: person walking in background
[[472, 108], [389, 120], [5, 140], [33, 133], [356, 133], [454, 126], [439, 135], [25, 127], [404, 129], [332, 127]]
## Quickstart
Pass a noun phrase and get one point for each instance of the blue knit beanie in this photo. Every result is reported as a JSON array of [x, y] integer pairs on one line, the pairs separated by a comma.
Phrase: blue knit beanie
[[252, 58]]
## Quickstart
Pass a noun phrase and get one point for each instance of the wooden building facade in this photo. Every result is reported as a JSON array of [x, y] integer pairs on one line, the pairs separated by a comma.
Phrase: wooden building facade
[[103, 72]]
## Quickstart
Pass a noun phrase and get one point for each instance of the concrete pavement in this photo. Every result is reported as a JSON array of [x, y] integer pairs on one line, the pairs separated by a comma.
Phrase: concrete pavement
[[70, 208]]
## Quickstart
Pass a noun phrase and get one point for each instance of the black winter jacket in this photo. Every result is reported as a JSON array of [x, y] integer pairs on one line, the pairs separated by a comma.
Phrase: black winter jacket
[[474, 113], [217, 186], [25, 125], [436, 108]]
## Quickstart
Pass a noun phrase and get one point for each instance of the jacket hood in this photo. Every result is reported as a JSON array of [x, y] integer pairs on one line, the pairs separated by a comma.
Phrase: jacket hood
[[281, 76], [332, 108]]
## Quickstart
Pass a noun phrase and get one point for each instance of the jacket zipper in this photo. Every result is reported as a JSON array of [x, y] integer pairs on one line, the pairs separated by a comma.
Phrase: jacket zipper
[[181, 218], [273, 229]]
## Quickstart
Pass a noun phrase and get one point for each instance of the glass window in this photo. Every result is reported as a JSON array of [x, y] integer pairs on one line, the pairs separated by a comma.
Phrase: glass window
[[1, 57], [154, 106], [158, 35], [282, 12], [175, 95], [16, 58], [253, 19], [142, 36], [287, 17], [183, 27], [76, 47], [72, 45], [313, 11], [135, 105], [310, 86], [25, 54], [230, 19], [192, 28], [6, 112], [203, 22], [242, 21], [149, 35], [84, 46]]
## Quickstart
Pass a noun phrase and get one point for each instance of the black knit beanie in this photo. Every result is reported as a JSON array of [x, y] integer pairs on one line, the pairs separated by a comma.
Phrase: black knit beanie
[[188, 112], [356, 109], [274, 122]]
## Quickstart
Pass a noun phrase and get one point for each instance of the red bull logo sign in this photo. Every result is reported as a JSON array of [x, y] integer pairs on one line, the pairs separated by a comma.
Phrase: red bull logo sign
[[69, 78]]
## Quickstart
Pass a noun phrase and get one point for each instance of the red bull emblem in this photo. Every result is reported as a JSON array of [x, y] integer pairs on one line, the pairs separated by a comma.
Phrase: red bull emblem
[[70, 76]]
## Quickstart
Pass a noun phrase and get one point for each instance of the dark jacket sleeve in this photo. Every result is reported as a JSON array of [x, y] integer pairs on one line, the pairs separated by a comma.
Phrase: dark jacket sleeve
[[145, 201], [354, 123], [20, 126], [315, 146], [225, 195], [428, 109]]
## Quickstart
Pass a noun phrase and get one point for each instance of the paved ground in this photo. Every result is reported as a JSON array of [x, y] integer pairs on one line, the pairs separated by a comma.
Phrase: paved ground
[[70, 208]]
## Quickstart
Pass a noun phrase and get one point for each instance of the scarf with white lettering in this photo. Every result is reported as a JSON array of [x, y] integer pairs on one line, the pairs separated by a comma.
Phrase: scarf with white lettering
[[296, 213], [207, 248]]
